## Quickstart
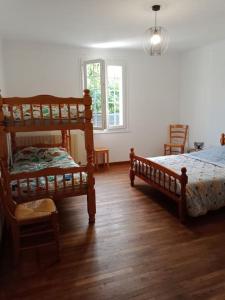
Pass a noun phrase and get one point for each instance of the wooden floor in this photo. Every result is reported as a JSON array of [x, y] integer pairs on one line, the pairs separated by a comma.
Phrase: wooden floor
[[136, 250]]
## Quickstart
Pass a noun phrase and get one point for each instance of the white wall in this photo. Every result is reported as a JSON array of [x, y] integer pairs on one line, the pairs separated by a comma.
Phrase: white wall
[[152, 89], [2, 81], [202, 93]]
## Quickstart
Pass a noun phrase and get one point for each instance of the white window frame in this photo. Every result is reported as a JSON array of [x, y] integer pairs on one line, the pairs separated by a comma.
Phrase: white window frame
[[124, 104], [104, 88]]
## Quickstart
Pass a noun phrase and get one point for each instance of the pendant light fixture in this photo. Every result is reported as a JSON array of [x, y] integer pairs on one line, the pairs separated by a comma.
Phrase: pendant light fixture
[[156, 38]]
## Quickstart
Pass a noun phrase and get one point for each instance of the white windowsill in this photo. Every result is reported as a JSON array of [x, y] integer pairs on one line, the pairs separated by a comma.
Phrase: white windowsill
[[108, 131]]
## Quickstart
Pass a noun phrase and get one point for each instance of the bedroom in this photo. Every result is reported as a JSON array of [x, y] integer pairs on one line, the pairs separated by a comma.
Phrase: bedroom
[[42, 47]]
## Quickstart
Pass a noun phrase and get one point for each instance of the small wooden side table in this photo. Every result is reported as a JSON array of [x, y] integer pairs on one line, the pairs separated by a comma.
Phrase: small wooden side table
[[105, 154]]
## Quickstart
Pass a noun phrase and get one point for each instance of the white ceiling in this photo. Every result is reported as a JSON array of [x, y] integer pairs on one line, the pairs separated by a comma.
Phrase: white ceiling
[[112, 23]]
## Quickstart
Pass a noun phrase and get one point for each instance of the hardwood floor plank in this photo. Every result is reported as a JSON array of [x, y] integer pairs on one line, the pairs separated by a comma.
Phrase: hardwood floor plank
[[136, 250]]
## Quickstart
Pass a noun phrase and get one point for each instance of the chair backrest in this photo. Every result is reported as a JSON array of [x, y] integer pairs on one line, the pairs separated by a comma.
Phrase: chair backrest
[[7, 204], [178, 134]]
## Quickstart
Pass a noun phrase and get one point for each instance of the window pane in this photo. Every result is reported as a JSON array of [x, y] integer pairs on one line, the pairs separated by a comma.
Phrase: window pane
[[115, 95], [93, 71]]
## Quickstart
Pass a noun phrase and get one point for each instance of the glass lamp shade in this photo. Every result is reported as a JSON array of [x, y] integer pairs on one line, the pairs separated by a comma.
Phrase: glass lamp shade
[[156, 41]]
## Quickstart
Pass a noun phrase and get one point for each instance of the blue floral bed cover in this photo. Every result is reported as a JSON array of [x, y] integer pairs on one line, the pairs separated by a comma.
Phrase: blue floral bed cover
[[206, 178], [32, 159]]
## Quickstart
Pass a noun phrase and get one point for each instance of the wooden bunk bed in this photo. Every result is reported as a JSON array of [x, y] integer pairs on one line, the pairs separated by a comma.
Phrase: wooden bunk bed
[[48, 113], [165, 177]]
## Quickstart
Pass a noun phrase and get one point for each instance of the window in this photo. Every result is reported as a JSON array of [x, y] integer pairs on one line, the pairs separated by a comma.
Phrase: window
[[106, 85]]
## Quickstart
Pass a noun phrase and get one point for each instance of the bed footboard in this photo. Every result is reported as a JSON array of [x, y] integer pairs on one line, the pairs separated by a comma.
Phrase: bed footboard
[[161, 178]]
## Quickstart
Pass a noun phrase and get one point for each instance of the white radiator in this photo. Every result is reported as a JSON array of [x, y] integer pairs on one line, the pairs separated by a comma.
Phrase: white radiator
[[37, 139], [28, 140]]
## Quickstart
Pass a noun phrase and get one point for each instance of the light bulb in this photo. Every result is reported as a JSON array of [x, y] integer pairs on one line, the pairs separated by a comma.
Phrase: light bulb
[[155, 39]]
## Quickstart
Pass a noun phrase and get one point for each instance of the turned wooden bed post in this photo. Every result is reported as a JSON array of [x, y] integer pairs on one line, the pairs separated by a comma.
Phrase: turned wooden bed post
[[64, 139], [89, 145], [13, 141], [3, 136], [182, 203], [132, 173]]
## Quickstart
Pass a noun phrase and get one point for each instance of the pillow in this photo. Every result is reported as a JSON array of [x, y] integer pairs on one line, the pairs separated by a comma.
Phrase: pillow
[[26, 154], [50, 154]]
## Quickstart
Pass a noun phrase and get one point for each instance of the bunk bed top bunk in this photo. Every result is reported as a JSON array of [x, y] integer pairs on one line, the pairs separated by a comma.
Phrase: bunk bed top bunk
[[44, 112]]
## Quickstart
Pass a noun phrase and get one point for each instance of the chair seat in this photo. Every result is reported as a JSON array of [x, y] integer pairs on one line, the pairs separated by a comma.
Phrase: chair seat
[[174, 145], [35, 209]]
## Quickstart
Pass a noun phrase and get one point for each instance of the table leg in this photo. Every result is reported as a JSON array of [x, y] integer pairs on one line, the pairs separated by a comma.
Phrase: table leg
[[107, 155], [103, 154]]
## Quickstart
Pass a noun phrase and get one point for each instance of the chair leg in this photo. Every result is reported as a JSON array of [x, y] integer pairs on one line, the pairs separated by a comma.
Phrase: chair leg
[[167, 150], [55, 224], [16, 247], [103, 155], [57, 245], [107, 156]]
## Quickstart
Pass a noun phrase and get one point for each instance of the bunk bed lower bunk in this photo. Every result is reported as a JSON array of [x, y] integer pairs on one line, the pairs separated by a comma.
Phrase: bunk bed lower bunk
[[40, 171], [47, 170], [194, 181]]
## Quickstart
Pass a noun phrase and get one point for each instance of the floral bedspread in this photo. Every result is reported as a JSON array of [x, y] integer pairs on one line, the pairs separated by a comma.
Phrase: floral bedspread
[[32, 159], [46, 114], [206, 180]]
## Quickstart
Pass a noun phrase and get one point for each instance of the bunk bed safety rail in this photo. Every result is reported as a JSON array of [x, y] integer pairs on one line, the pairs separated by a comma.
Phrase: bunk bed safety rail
[[55, 182], [42, 108]]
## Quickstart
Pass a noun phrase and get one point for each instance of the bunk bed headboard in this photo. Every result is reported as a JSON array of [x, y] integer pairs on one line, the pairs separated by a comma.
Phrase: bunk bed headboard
[[41, 141]]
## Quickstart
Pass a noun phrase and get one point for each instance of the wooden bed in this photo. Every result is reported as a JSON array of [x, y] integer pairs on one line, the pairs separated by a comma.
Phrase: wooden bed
[[48, 113], [163, 179]]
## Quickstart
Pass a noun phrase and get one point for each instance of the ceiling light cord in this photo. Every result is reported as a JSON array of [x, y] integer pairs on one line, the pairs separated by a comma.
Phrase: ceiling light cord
[[155, 20]]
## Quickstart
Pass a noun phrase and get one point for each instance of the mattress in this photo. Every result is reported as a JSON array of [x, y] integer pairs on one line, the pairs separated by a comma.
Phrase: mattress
[[205, 190], [32, 159], [46, 113]]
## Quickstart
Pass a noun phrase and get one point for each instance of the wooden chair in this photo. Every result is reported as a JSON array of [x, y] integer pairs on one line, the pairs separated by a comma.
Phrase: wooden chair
[[178, 138], [32, 225]]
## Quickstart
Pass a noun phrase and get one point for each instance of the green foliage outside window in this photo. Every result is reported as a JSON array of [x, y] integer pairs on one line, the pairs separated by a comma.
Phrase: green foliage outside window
[[94, 85], [113, 97]]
